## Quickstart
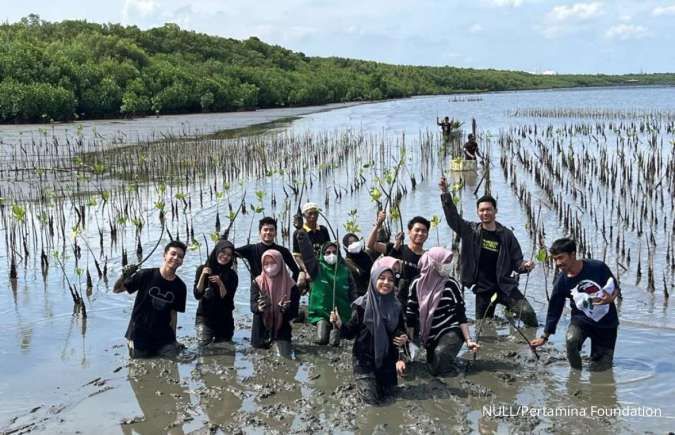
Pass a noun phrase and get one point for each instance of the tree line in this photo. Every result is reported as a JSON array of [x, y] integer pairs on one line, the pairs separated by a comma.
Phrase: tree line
[[59, 71]]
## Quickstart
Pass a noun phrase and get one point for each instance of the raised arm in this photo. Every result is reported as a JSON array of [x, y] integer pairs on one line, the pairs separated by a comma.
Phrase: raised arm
[[455, 221], [372, 242]]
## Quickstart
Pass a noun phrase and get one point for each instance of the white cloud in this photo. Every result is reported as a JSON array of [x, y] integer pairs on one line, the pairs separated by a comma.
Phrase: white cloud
[[503, 3], [624, 32], [141, 8], [577, 11], [476, 28], [664, 10], [567, 19]]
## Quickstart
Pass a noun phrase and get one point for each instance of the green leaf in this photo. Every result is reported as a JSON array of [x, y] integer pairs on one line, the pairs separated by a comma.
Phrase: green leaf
[[542, 255], [493, 299]]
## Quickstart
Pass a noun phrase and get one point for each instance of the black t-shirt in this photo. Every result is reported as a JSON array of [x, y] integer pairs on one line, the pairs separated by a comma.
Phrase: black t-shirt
[[252, 253], [470, 147], [318, 237], [487, 264], [150, 323], [409, 272], [593, 276]]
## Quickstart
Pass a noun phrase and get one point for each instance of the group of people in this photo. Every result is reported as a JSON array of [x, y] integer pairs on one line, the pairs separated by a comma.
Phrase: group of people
[[387, 296], [447, 126]]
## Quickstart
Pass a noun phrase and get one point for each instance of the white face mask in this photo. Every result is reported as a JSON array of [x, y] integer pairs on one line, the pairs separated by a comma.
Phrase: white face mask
[[444, 270], [330, 259], [272, 269], [355, 247]]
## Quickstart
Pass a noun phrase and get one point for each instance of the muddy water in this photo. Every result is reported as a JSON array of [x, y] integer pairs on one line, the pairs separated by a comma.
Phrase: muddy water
[[61, 374]]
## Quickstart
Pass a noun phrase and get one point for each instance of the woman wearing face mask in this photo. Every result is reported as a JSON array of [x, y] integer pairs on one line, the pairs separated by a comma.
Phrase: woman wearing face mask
[[215, 285], [358, 261], [377, 328], [274, 303], [332, 286], [436, 308]]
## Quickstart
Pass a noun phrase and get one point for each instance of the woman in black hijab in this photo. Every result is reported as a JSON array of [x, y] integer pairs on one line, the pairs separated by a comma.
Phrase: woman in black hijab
[[215, 285], [379, 336]]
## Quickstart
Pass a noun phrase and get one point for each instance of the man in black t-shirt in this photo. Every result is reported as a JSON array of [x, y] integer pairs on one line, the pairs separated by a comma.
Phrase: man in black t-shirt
[[591, 288], [253, 252], [490, 255], [409, 254], [160, 295]]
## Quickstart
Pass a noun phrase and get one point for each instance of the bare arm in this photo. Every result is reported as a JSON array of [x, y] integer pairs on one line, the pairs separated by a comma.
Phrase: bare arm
[[372, 242], [119, 286]]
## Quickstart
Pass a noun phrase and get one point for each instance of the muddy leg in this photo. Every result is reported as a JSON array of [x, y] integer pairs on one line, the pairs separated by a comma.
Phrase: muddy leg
[[204, 334], [334, 339], [259, 334], [574, 338], [283, 348], [602, 348], [443, 356], [521, 309], [366, 388], [322, 332]]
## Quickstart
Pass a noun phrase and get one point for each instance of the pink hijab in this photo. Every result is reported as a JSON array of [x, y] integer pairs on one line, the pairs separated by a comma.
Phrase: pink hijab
[[388, 263], [277, 288], [430, 286]]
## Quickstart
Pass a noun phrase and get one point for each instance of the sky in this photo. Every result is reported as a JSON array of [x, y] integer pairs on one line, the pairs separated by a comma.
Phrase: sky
[[603, 36]]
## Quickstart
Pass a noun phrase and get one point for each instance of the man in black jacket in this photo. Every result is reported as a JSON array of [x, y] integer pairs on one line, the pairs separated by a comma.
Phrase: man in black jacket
[[490, 255]]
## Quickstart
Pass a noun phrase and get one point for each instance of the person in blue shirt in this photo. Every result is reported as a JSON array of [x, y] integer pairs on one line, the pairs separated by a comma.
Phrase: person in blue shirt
[[591, 288]]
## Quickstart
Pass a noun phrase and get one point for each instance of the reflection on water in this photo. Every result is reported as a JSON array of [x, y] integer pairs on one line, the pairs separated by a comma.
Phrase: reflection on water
[[160, 396]]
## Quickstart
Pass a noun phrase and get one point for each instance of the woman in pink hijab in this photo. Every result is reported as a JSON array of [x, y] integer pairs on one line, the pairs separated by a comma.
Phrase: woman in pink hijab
[[436, 310], [274, 303]]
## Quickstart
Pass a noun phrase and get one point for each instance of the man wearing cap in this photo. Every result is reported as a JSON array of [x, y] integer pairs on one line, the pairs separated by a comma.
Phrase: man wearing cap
[[318, 234]]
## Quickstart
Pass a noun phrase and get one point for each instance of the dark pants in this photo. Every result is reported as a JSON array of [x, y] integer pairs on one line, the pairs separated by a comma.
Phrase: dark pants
[[207, 335], [170, 351], [442, 353], [603, 341], [516, 303], [372, 390]]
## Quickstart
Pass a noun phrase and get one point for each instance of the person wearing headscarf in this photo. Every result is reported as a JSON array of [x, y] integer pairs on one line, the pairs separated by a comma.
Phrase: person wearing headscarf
[[215, 285], [332, 286], [377, 328], [274, 303], [358, 261], [436, 311]]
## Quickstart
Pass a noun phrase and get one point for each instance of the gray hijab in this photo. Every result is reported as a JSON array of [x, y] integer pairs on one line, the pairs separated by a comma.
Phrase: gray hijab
[[381, 314]]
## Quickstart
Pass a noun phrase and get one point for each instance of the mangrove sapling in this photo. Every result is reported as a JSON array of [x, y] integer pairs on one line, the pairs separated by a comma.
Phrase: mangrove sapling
[[493, 299]]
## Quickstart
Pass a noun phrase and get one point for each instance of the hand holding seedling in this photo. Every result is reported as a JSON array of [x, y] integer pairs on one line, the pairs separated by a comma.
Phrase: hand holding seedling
[[381, 216], [298, 221], [400, 340], [262, 303], [443, 185], [527, 266], [400, 368], [335, 318], [129, 270], [215, 279], [283, 305]]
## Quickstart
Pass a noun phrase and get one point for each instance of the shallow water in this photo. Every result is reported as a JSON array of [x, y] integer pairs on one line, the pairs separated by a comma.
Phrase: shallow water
[[50, 358]]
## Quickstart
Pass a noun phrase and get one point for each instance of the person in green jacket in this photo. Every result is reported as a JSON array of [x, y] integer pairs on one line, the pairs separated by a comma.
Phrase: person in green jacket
[[331, 286]]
